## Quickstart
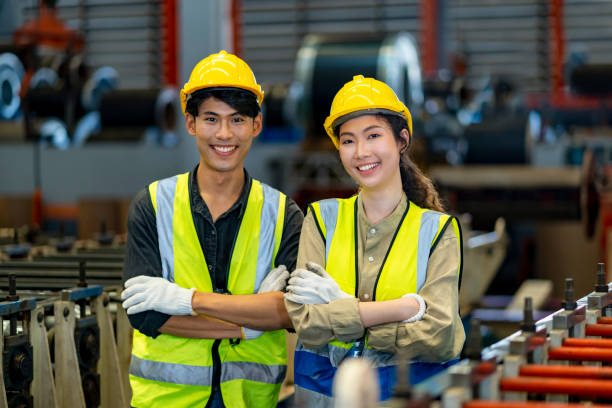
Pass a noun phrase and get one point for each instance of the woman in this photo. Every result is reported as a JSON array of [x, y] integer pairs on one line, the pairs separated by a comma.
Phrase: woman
[[378, 273]]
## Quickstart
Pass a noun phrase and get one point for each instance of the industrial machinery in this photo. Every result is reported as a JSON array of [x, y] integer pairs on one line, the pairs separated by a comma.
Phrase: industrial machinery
[[17, 351], [70, 328], [47, 83], [562, 358]]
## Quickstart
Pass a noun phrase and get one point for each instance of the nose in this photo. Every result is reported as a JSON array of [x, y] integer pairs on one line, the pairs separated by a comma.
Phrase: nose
[[224, 132], [361, 149]]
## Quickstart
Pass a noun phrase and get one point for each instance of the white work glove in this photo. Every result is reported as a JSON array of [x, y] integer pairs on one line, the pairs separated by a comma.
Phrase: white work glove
[[144, 293], [313, 286], [276, 280], [422, 308]]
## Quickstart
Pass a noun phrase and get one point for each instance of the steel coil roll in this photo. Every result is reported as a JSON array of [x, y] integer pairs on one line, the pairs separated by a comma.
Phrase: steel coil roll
[[592, 79], [11, 75], [324, 64], [138, 108], [499, 139], [46, 102]]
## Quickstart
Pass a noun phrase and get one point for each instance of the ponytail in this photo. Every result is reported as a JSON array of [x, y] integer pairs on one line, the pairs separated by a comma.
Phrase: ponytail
[[418, 188]]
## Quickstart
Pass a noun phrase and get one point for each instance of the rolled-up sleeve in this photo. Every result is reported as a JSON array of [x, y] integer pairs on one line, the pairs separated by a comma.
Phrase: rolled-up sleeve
[[439, 336], [317, 325]]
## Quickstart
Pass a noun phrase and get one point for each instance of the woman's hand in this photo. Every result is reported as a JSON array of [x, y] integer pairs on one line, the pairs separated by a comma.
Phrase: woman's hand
[[313, 286]]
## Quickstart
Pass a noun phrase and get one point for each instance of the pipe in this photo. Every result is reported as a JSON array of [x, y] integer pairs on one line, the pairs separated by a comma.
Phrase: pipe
[[604, 320], [571, 386], [562, 371], [525, 404], [602, 330], [575, 342], [557, 46], [580, 354]]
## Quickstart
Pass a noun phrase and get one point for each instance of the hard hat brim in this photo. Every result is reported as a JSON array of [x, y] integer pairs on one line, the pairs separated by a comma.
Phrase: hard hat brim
[[259, 95], [375, 111]]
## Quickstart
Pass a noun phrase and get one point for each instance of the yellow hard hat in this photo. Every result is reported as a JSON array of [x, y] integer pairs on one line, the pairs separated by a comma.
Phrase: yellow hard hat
[[363, 94], [221, 70]]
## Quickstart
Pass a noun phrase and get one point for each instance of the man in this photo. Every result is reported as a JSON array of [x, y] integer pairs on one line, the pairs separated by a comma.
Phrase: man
[[207, 258]]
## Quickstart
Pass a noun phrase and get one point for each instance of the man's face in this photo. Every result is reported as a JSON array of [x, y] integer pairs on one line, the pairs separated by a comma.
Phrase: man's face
[[223, 135]]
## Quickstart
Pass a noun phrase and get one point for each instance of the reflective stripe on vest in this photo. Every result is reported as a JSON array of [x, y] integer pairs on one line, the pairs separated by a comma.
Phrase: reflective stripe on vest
[[164, 206], [250, 370], [201, 375], [171, 373], [244, 370]]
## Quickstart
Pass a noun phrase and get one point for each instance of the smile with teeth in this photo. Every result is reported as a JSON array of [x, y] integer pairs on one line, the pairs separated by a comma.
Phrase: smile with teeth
[[367, 167], [224, 149]]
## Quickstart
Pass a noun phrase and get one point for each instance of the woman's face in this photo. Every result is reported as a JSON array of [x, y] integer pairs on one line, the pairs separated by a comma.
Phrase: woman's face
[[369, 151]]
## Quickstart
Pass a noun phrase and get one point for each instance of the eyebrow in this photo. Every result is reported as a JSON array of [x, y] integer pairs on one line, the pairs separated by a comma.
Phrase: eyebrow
[[364, 130], [216, 114]]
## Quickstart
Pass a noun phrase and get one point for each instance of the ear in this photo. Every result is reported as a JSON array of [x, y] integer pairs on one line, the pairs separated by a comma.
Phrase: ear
[[190, 124], [257, 124], [405, 142]]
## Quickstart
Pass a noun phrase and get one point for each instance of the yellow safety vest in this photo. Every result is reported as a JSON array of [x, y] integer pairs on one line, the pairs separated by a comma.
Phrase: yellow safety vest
[[404, 270], [171, 371]]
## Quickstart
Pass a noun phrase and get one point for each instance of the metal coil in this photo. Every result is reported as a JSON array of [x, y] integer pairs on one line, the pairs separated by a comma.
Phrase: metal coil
[[138, 108], [592, 79], [324, 64], [11, 75]]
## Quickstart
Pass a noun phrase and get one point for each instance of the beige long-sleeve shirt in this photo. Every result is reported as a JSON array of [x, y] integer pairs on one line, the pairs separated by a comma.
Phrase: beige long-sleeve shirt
[[438, 337]]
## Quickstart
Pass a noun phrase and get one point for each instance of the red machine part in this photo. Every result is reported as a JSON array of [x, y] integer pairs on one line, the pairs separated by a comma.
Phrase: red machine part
[[561, 371], [526, 404], [604, 320], [572, 386], [574, 342], [169, 42], [601, 330], [580, 354], [47, 30]]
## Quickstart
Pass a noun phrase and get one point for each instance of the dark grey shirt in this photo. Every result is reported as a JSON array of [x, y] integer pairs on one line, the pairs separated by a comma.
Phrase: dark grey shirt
[[216, 238]]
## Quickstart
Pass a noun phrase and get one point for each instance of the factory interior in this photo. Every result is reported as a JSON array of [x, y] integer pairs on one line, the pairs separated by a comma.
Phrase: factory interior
[[511, 107]]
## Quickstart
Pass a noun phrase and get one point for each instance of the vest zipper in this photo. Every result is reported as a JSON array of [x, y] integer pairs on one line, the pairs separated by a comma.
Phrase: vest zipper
[[216, 377]]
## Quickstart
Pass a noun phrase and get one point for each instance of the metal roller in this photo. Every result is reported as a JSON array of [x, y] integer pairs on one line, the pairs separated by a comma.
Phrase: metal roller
[[44, 78], [11, 75], [592, 79], [103, 80], [154, 110], [53, 132], [45, 102], [137, 108], [324, 64]]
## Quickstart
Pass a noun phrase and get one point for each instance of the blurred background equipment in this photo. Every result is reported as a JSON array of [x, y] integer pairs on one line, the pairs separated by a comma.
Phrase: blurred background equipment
[[510, 101], [325, 63]]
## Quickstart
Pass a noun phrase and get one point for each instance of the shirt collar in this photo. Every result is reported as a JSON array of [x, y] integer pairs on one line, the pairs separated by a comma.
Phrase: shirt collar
[[389, 221], [197, 202]]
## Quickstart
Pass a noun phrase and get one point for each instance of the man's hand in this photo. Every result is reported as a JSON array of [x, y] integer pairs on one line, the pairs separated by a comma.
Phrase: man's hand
[[313, 286], [144, 293], [276, 280]]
